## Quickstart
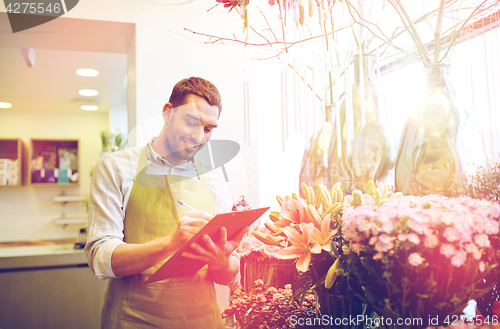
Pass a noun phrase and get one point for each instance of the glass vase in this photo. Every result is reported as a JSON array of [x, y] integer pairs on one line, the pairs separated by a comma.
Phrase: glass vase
[[371, 151], [314, 170], [440, 141]]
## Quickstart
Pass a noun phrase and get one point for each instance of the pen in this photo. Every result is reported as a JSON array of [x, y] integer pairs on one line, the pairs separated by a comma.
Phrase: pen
[[187, 206]]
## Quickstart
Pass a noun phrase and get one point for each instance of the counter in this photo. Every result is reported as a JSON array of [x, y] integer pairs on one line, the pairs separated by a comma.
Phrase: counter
[[48, 286]]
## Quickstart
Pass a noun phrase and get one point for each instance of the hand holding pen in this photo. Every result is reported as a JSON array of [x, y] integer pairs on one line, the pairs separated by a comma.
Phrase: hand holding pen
[[194, 217], [214, 252]]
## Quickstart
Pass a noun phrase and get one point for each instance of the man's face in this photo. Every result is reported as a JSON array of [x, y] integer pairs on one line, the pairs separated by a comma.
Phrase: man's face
[[188, 128]]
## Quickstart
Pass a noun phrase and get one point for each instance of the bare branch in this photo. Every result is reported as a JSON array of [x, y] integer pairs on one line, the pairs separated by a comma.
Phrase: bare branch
[[280, 3], [437, 32], [412, 31], [386, 40], [460, 29], [267, 23], [285, 43], [263, 37]]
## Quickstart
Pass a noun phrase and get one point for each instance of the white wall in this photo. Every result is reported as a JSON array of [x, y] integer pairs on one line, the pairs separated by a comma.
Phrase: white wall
[[166, 53], [27, 212], [118, 113]]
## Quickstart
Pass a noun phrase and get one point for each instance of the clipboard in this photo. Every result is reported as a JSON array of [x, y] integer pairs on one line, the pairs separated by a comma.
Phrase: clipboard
[[177, 265]]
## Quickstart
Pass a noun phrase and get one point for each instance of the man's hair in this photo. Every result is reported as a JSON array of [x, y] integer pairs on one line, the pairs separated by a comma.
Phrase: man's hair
[[196, 86]]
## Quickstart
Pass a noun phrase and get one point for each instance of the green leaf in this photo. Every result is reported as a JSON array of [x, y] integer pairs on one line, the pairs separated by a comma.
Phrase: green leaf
[[301, 286]]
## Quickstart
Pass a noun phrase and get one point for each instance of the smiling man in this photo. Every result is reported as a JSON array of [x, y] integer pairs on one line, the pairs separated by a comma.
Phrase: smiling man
[[135, 220], [188, 127]]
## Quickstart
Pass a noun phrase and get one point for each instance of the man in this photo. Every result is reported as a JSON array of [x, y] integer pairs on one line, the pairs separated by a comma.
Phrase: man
[[136, 223]]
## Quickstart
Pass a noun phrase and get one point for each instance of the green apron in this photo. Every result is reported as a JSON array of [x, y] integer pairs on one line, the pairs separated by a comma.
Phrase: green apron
[[153, 212]]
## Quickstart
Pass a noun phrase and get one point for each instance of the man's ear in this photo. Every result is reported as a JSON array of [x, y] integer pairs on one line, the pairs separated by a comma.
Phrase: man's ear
[[167, 109]]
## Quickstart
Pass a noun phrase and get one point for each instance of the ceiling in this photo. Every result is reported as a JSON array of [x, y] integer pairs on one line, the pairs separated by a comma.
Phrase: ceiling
[[52, 85], [64, 45]]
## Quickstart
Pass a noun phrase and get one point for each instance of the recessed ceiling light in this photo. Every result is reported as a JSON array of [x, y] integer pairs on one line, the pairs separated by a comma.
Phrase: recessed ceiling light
[[5, 105], [89, 107], [87, 72], [88, 92]]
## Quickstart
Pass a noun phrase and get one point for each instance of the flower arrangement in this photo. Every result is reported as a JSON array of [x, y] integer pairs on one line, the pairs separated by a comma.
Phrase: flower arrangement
[[420, 257], [485, 184], [304, 227], [250, 246], [309, 230], [267, 307]]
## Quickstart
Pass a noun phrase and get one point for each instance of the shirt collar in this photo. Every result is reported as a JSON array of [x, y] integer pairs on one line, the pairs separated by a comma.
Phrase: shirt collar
[[156, 158]]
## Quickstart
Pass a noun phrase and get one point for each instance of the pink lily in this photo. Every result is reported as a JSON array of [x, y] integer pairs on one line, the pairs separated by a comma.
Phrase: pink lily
[[382, 193], [324, 235], [303, 245], [292, 211]]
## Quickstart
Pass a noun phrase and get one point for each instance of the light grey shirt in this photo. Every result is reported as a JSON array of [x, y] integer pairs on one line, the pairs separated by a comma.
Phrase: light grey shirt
[[110, 189]]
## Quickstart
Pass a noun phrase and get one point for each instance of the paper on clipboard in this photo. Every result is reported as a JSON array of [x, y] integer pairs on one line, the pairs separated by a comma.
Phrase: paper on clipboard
[[181, 266]]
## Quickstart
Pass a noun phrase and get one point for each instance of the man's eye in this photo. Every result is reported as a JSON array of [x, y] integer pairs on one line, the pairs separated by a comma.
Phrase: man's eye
[[207, 130], [190, 123]]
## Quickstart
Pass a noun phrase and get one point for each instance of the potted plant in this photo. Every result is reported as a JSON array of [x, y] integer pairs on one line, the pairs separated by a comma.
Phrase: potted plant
[[106, 137]]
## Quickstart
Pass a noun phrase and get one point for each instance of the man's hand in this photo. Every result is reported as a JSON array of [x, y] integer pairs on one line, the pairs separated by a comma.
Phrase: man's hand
[[190, 223], [216, 253], [129, 259]]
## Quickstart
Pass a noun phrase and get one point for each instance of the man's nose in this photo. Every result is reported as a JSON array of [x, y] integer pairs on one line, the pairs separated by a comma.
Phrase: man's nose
[[197, 135]]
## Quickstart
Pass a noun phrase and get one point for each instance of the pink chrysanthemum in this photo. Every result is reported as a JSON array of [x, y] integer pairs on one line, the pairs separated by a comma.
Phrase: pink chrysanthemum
[[415, 259]]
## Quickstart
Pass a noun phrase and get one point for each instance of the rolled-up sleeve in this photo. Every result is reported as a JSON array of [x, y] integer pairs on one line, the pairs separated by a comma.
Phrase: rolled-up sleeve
[[106, 213]]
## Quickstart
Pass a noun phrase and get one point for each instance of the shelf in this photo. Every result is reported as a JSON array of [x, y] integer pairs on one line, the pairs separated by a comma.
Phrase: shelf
[[69, 198], [11, 161], [71, 220], [54, 162]]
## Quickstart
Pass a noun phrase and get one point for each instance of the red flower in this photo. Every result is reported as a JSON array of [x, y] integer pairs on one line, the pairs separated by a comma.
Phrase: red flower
[[261, 298]]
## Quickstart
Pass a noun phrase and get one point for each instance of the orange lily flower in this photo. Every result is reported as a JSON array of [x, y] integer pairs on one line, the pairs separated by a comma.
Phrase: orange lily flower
[[303, 245], [292, 211], [324, 235]]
